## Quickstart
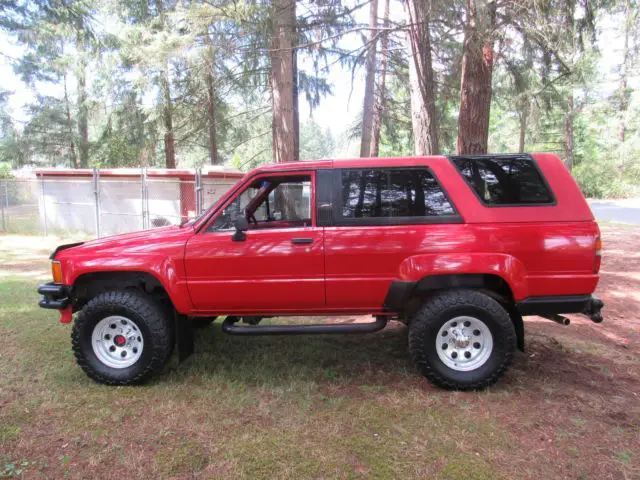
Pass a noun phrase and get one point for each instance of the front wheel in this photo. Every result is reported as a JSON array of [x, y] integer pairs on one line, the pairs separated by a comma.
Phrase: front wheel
[[122, 338], [462, 340]]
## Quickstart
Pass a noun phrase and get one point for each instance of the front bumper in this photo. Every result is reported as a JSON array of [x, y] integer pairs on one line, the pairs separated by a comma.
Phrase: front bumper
[[55, 296]]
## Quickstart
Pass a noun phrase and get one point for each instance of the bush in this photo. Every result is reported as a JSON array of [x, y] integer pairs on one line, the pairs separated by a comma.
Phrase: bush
[[605, 180], [5, 170]]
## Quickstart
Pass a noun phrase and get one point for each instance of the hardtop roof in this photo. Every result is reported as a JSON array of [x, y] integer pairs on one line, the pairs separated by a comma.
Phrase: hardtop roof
[[358, 162]]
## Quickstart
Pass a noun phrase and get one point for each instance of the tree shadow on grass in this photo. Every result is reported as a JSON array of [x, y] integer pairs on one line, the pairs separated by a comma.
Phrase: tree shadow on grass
[[279, 360], [383, 359]]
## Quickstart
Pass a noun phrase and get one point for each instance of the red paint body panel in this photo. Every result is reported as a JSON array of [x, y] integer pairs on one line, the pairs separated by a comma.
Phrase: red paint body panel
[[159, 252], [537, 250], [264, 273], [534, 259]]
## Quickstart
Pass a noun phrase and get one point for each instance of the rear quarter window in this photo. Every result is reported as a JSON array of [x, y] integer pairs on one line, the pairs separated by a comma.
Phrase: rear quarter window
[[505, 181]]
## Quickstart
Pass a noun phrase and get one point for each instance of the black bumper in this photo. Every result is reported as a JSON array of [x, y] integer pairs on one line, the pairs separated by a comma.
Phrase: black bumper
[[55, 296], [589, 305]]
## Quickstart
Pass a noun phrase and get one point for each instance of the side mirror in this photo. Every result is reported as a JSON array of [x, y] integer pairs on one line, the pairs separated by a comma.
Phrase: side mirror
[[241, 225]]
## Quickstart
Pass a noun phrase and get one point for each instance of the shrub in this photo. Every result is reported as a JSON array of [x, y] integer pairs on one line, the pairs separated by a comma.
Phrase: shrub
[[5, 170], [600, 179]]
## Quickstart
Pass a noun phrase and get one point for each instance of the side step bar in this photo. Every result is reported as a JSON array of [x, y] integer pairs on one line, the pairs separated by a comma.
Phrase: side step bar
[[228, 326]]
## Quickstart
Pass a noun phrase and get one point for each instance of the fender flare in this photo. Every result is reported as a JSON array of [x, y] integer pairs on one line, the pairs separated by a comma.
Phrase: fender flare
[[163, 271], [508, 268]]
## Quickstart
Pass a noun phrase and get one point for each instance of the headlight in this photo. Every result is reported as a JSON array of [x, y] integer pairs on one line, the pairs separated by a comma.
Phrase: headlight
[[56, 271]]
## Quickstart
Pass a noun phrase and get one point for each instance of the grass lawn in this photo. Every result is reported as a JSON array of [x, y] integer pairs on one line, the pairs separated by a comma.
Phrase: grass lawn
[[322, 406]]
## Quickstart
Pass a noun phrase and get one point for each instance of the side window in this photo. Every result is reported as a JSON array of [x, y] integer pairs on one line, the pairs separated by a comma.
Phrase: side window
[[290, 201], [224, 220], [504, 180], [271, 202], [392, 193]]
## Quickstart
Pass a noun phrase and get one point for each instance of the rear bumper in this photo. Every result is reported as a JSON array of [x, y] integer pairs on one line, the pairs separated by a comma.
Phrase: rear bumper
[[589, 305], [55, 296]]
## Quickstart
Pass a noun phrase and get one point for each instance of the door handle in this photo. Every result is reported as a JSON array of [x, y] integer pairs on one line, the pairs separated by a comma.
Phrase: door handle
[[301, 241]]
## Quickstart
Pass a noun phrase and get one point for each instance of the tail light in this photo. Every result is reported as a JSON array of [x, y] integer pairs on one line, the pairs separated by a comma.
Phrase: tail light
[[598, 258]]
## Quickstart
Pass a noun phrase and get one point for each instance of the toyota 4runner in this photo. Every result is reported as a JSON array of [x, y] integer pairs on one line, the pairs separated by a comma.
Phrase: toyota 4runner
[[459, 248]]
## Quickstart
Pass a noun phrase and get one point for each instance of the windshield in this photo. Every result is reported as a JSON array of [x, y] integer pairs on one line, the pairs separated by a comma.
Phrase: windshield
[[205, 211]]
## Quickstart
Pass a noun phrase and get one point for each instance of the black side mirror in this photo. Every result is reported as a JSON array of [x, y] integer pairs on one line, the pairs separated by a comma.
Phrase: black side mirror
[[241, 225]]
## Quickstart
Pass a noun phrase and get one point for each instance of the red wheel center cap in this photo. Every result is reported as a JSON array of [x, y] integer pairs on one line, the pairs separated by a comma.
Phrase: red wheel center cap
[[119, 340]]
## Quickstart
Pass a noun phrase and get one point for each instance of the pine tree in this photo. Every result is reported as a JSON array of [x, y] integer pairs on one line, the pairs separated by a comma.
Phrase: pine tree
[[282, 81], [422, 79], [477, 71], [369, 82]]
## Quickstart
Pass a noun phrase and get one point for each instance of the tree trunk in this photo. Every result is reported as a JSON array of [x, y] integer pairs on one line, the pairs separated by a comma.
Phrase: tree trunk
[[523, 103], [169, 142], [475, 85], [369, 83], [72, 145], [379, 108], [421, 79], [211, 103], [211, 120], [523, 131], [167, 114], [296, 109], [568, 133], [83, 126], [282, 88], [624, 70]]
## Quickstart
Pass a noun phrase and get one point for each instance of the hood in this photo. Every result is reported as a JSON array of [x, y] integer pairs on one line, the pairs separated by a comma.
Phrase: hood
[[141, 242]]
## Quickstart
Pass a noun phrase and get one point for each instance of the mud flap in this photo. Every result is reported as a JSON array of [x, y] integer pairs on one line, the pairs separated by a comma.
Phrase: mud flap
[[184, 336], [518, 324]]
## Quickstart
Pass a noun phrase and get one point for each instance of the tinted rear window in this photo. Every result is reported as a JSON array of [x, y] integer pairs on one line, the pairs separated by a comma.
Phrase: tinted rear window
[[388, 192], [504, 180]]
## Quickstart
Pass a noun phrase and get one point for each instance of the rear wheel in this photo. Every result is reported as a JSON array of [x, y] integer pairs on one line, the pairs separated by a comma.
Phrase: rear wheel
[[122, 338], [462, 339]]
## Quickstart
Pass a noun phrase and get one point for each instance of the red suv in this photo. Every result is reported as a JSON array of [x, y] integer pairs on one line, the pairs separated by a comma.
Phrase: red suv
[[458, 248]]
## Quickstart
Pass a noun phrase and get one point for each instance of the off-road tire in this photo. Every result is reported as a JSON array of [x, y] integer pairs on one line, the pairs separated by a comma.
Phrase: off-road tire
[[441, 308], [202, 322], [152, 321]]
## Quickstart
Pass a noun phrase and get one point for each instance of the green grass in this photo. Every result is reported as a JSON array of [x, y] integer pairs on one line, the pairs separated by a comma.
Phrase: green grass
[[285, 407], [239, 407], [26, 222]]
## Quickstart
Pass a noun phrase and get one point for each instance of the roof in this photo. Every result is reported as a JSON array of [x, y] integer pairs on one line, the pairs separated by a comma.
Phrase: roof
[[185, 173], [348, 162]]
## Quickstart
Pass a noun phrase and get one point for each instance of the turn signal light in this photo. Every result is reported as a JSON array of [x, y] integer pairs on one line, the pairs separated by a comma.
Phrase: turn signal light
[[598, 259], [56, 272]]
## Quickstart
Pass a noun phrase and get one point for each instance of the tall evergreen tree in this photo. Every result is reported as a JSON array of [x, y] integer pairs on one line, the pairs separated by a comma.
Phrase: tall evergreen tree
[[381, 80], [477, 71], [422, 78], [369, 82], [282, 81]]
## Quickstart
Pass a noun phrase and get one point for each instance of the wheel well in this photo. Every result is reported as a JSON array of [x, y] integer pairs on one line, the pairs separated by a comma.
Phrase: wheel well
[[493, 285], [490, 284], [89, 285]]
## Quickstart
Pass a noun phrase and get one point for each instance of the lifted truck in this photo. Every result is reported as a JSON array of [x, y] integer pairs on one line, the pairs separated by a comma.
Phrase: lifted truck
[[459, 248]]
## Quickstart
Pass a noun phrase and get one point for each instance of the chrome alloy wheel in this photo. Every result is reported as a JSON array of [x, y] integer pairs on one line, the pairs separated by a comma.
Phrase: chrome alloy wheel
[[117, 342], [464, 343]]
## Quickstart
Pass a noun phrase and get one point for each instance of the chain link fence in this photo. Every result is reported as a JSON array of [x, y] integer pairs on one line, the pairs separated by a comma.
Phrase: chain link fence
[[19, 206], [99, 205]]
